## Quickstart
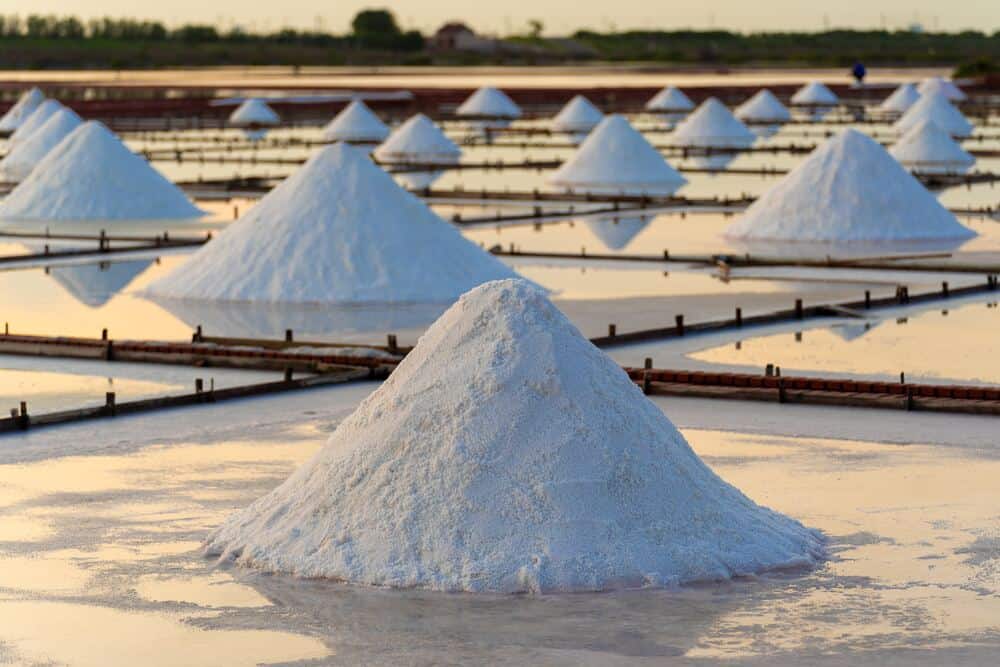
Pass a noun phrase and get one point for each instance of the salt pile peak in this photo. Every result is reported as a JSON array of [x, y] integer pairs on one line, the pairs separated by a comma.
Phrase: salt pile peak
[[901, 99], [23, 157], [35, 120], [936, 84], [356, 123], [763, 107], [579, 115], [815, 93], [338, 230], [671, 100], [18, 113], [490, 102], [936, 108], [616, 158], [253, 112], [713, 125], [92, 175], [849, 189], [926, 148], [508, 454], [418, 140]]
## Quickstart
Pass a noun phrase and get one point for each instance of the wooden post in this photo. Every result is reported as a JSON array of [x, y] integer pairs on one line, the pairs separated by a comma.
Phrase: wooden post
[[288, 335], [739, 317], [392, 345], [109, 403], [199, 385], [868, 299], [23, 417], [666, 255], [196, 336], [769, 370], [798, 336], [902, 377], [612, 330], [645, 382], [104, 334], [679, 319], [798, 308], [288, 375], [648, 363]]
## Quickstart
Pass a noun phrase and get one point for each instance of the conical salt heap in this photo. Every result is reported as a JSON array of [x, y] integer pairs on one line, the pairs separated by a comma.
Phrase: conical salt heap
[[23, 108], [356, 123], [490, 102], [713, 126], [418, 140], [815, 93], [616, 159], [928, 149], [35, 120], [578, 116], [339, 230], [670, 100], [936, 84], [901, 99], [508, 454], [23, 157], [848, 189], [92, 175], [253, 112], [763, 107], [936, 108]]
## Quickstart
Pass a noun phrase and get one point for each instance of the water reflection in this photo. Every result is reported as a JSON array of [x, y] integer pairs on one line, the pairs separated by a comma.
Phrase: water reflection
[[617, 232], [95, 284]]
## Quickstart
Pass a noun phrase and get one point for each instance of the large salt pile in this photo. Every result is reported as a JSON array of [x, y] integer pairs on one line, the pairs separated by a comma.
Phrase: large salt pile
[[928, 149], [712, 125], [936, 108], [616, 159], [670, 100], [901, 99], [508, 454], [356, 123], [23, 157], [848, 189], [339, 230], [936, 84], [577, 118], [35, 120], [490, 103], [92, 175], [254, 112], [418, 140], [17, 114]]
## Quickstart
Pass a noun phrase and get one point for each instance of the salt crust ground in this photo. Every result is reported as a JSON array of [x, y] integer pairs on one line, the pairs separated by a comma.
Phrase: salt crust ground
[[508, 454]]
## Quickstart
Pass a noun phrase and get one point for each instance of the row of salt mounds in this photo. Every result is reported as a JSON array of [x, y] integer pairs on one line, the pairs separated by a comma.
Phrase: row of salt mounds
[[339, 230], [936, 84], [927, 149], [507, 454], [92, 175], [617, 159], [936, 108], [848, 189], [38, 117], [901, 99], [23, 108], [356, 123], [492, 106], [418, 140], [254, 112], [713, 126], [577, 118], [24, 156]]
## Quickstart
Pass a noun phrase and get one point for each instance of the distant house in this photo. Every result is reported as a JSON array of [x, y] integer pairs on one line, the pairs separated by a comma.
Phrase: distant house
[[457, 36]]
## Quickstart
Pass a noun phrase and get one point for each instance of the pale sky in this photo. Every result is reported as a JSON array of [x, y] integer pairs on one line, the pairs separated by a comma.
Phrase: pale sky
[[559, 16]]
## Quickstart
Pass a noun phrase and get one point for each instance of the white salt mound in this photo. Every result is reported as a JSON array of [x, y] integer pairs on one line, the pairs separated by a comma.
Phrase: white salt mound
[[92, 175], [253, 112], [508, 454], [815, 93], [848, 189], [488, 101], [713, 125], [936, 108], [339, 230], [417, 139], [35, 120], [579, 115], [23, 157], [17, 114], [615, 158], [936, 84], [670, 99], [901, 99], [763, 107], [926, 148], [356, 123]]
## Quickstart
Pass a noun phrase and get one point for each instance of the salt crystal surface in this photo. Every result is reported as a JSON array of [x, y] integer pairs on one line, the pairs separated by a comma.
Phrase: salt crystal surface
[[339, 230], [418, 140], [816, 93], [713, 125], [615, 158], [848, 189], [253, 112], [508, 454], [92, 175], [579, 115], [926, 148], [23, 157], [763, 107], [936, 108], [17, 114], [901, 99], [936, 84], [489, 101], [356, 123], [670, 99], [35, 120]]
